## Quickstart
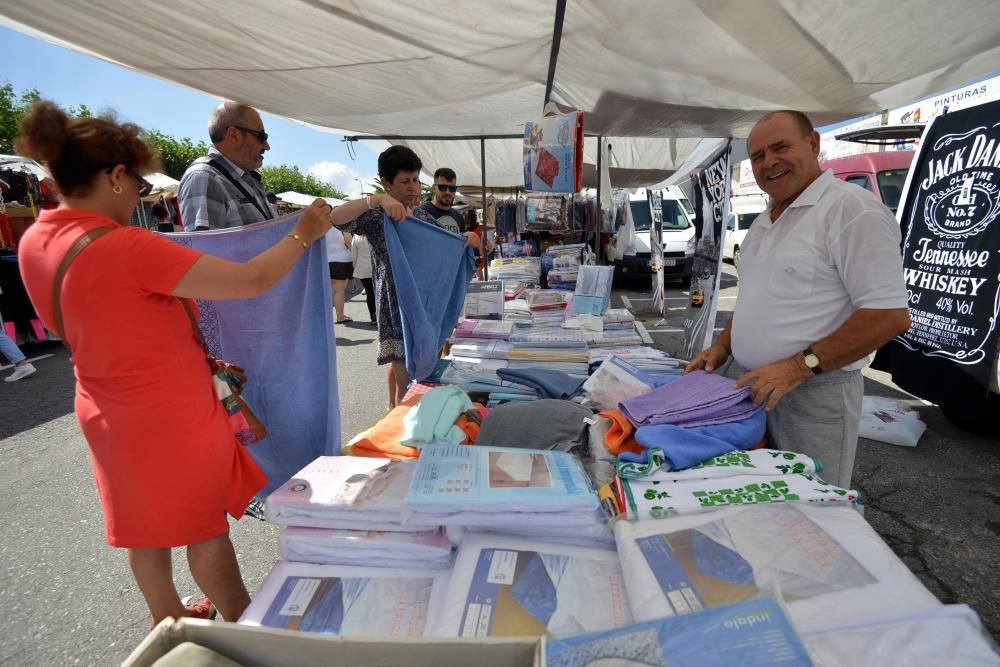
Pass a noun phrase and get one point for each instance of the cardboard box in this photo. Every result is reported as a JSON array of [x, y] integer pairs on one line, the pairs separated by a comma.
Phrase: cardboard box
[[267, 647]]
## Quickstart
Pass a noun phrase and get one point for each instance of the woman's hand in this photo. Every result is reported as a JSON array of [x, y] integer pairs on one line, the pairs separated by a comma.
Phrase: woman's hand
[[316, 221], [392, 208], [472, 239]]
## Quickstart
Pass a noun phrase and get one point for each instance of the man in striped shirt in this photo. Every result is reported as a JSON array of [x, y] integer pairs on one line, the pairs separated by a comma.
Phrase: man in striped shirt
[[223, 189]]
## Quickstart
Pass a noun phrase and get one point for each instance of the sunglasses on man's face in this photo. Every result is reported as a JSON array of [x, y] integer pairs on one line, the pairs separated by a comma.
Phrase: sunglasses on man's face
[[446, 188], [260, 134]]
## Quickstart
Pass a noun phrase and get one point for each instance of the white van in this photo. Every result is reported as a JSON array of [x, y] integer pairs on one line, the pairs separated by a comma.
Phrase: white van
[[743, 210], [678, 237]]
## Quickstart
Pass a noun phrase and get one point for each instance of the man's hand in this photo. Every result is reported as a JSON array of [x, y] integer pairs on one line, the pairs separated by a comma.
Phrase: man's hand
[[768, 384], [472, 239], [393, 208], [708, 360]]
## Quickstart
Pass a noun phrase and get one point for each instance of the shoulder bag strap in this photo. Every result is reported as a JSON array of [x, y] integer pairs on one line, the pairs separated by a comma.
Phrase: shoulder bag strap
[[239, 186], [57, 282]]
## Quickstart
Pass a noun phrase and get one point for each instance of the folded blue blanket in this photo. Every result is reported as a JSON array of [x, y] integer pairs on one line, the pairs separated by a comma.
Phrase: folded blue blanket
[[548, 383], [284, 339], [431, 272], [685, 447]]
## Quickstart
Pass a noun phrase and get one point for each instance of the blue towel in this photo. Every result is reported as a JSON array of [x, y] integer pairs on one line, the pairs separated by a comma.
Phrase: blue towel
[[685, 447], [431, 273], [548, 383], [284, 339]]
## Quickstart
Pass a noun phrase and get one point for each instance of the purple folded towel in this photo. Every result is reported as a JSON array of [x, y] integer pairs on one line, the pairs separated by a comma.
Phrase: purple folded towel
[[695, 399]]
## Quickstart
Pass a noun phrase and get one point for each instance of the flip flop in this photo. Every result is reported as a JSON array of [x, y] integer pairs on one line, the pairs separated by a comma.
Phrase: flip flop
[[346, 319]]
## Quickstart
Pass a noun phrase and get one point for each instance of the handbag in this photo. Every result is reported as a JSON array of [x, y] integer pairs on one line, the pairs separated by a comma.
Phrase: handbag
[[228, 379]]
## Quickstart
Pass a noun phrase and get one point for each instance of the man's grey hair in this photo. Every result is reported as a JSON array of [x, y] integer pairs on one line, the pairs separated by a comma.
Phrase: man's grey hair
[[801, 120], [226, 115]]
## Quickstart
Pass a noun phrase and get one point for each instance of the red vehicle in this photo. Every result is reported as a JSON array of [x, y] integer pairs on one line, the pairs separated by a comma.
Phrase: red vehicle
[[883, 173]]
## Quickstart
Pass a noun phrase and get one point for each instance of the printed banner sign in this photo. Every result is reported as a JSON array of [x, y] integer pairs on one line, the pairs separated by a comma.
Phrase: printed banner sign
[[951, 261], [553, 153], [655, 198], [712, 186]]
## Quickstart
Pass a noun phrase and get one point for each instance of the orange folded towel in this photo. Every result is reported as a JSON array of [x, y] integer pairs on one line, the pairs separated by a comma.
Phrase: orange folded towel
[[381, 441], [621, 436]]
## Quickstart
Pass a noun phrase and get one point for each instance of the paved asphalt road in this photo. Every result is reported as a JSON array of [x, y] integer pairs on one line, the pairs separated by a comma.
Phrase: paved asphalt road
[[68, 598]]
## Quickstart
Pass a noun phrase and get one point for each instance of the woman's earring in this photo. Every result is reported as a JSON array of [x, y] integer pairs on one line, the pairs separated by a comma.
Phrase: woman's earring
[[117, 189]]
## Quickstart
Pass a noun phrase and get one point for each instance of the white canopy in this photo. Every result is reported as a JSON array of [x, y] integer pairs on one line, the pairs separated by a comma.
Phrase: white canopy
[[653, 69], [299, 199], [162, 183]]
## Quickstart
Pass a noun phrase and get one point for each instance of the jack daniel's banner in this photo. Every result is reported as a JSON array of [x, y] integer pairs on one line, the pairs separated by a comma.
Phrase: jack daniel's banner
[[951, 258], [712, 186]]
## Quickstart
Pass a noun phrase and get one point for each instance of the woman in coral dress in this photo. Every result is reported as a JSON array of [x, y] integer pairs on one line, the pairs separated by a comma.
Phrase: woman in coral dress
[[167, 473]]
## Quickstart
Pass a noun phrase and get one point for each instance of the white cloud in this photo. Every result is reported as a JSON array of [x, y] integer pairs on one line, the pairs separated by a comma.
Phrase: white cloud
[[342, 177]]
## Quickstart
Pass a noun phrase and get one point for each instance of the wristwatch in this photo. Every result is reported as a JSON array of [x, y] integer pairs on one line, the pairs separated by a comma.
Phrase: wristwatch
[[812, 361]]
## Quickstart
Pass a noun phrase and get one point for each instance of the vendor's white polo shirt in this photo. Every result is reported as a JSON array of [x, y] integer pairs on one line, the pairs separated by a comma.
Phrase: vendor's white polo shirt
[[834, 250]]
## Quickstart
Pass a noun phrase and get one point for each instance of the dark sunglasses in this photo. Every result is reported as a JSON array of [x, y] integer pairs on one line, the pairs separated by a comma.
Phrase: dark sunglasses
[[145, 187], [446, 188], [260, 134]]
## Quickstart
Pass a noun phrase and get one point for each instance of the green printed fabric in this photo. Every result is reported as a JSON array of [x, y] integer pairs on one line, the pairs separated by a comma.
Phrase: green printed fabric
[[658, 499], [770, 462]]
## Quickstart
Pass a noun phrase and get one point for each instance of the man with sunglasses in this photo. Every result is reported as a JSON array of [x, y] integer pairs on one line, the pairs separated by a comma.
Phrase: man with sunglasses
[[223, 189], [440, 207]]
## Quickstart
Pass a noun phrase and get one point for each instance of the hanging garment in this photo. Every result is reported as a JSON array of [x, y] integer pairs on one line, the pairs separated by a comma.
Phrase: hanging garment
[[292, 391], [431, 270], [695, 399]]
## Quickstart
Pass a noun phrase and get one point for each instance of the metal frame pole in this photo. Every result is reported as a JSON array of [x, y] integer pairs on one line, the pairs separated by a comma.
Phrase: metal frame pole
[[599, 219], [482, 163]]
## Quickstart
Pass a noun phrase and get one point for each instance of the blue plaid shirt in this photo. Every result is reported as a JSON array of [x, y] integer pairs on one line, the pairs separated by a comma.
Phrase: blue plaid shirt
[[209, 201]]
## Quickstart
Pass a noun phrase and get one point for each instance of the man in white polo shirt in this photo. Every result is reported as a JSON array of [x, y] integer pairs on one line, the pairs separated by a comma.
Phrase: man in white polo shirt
[[821, 288]]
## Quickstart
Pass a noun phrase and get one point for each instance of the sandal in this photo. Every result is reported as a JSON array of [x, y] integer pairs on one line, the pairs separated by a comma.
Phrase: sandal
[[346, 319]]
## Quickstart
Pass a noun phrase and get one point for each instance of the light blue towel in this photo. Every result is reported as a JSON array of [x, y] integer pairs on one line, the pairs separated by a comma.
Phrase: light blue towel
[[432, 420], [284, 339], [685, 447], [431, 272]]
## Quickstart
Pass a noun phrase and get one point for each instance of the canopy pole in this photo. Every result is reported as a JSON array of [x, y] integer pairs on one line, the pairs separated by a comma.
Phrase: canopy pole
[[557, 30], [599, 219], [482, 163]]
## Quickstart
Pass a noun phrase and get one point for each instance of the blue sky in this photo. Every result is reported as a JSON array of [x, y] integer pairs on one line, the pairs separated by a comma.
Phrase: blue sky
[[70, 79]]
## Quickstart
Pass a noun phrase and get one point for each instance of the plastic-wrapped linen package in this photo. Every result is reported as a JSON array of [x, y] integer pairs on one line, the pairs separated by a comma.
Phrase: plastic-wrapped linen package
[[430, 549], [828, 563], [350, 601], [499, 486], [890, 421], [349, 492], [946, 635], [753, 633], [614, 381], [506, 586]]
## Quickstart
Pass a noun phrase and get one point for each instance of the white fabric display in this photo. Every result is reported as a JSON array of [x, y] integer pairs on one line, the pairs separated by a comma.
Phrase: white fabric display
[[507, 586], [351, 601], [946, 635], [654, 500], [430, 549], [757, 462], [346, 492], [886, 420], [601, 466], [822, 548], [499, 486]]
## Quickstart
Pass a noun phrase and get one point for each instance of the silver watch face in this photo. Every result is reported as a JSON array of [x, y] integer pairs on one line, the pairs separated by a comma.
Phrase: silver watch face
[[812, 361]]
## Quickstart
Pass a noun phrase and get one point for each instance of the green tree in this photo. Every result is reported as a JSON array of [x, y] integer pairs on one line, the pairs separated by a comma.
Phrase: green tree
[[12, 110], [176, 154], [282, 178]]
